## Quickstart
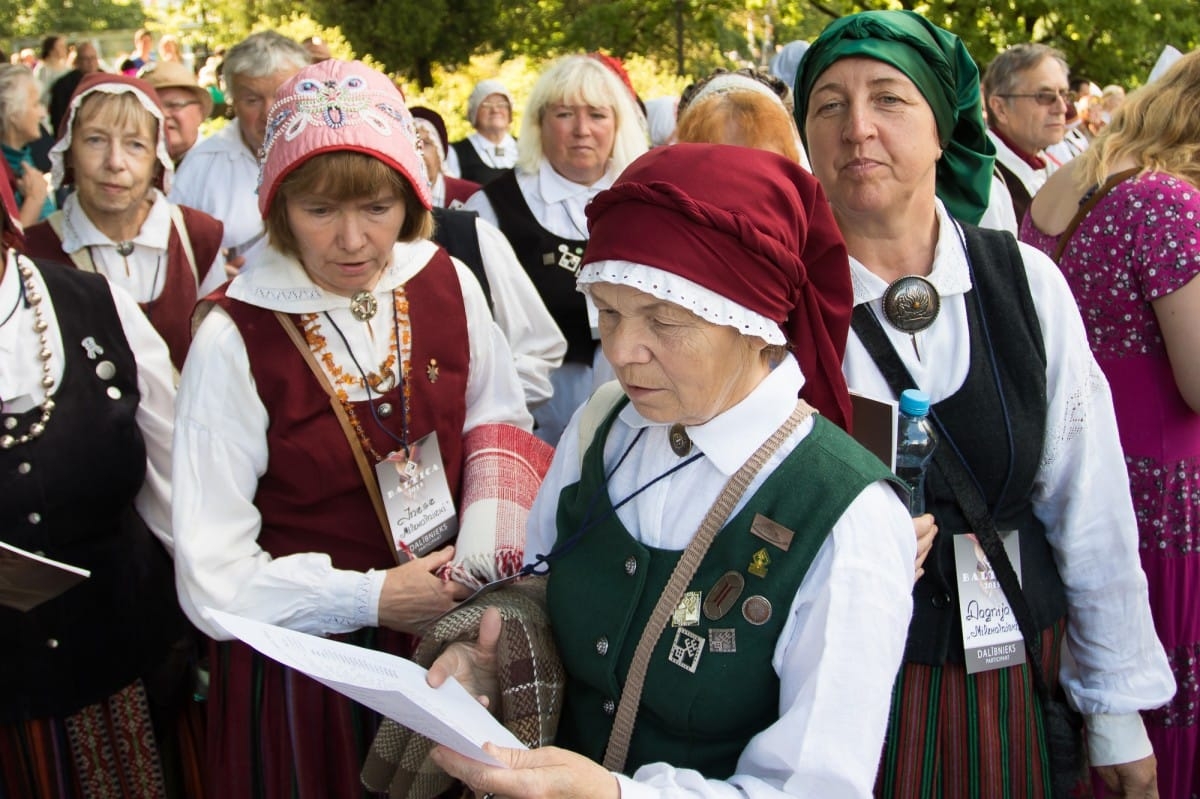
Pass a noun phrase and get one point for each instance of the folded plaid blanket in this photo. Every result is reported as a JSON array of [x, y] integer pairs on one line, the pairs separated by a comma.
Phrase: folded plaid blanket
[[531, 680]]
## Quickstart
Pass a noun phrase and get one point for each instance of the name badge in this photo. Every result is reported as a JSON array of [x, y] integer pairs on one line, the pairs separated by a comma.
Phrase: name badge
[[991, 637], [416, 498]]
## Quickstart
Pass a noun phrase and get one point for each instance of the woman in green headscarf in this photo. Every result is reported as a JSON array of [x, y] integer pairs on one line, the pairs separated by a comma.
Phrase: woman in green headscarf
[[888, 106]]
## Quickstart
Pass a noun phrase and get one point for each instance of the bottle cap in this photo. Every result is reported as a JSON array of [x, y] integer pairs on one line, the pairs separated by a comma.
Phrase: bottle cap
[[914, 402]]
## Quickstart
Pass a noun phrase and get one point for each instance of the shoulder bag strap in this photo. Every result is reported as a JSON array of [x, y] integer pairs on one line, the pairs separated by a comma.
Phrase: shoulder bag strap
[[966, 492], [184, 239], [618, 743], [360, 457], [55, 221], [1064, 238]]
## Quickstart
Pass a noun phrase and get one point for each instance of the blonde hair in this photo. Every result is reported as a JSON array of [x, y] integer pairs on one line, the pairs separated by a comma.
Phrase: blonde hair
[[745, 118], [582, 80], [344, 176], [116, 112], [1154, 128]]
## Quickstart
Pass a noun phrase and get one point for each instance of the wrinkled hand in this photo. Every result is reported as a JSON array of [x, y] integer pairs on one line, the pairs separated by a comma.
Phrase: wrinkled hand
[[413, 595], [1136, 780], [926, 530], [546, 773], [473, 665]]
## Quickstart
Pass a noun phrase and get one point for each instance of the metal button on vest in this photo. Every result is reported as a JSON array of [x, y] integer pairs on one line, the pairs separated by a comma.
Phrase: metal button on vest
[[10, 423], [940, 601], [602, 646], [385, 409], [35, 518], [25, 467], [609, 706], [631, 565], [52, 643]]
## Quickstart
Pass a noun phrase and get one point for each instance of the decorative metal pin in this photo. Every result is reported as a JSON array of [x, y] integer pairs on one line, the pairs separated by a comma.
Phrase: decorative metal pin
[[124, 248], [384, 383], [681, 442], [431, 370], [687, 612], [385, 409], [363, 305], [722, 639], [105, 370], [93, 349], [759, 562], [723, 595], [570, 259], [686, 650], [771, 531], [757, 610]]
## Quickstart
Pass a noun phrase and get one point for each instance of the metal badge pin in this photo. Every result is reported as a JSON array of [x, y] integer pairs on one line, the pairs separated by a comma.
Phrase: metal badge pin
[[681, 442], [431, 370], [772, 532], [92, 349], [757, 610], [759, 562], [686, 650], [723, 595], [722, 639], [687, 612], [363, 305]]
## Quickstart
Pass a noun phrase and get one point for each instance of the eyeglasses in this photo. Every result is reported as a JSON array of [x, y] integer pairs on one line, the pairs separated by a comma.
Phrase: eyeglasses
[[1048, 96], [179, 105], [493, 106]]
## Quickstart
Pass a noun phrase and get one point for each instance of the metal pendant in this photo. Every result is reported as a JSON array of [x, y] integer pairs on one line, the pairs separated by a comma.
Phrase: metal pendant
[[363, 305], [124, 248], [911, 304], [681, 442]]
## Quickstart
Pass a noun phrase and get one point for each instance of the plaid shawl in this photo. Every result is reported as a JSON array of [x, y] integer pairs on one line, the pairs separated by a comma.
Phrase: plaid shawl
[[531, 680]]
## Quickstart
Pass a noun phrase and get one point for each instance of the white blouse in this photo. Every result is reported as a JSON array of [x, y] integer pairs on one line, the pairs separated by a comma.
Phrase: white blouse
[[221, 447], [1115, 665], [842, 645], [143, 273], [21, 377]]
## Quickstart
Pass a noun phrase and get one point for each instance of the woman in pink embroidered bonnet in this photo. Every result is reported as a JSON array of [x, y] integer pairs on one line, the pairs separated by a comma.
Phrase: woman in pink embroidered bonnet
[[352, 339]]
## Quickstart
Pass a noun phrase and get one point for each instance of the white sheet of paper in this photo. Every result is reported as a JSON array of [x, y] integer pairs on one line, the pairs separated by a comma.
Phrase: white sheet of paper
[[385, 683]]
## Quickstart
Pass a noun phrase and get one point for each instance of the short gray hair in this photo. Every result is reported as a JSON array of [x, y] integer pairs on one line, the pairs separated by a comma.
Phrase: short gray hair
[[14, 78], [1005, 71], [262, 54]]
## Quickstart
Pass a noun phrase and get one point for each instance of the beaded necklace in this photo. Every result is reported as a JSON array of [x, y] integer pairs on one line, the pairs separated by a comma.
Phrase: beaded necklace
[[34, 299], [382, 381]]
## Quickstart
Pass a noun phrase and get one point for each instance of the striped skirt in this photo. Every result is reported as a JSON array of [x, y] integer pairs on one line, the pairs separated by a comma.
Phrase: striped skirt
[[274, 733], [115, 749], [957, 736]]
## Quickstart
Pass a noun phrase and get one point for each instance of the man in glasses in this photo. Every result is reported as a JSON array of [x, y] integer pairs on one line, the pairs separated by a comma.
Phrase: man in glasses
[[185, 103], [1026, 92], [491, 150]]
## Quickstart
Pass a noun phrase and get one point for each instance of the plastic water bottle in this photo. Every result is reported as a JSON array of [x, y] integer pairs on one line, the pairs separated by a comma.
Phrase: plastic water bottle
[[915, 443]]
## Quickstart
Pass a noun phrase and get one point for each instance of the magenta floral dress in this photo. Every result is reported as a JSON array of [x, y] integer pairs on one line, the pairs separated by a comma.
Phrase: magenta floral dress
[[1139, 243]]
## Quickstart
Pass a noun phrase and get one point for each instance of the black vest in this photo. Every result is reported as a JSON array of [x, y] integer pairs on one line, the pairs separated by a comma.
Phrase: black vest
[[472, 167], [69, 495], [455, 231], [973, 418], [552, 264]]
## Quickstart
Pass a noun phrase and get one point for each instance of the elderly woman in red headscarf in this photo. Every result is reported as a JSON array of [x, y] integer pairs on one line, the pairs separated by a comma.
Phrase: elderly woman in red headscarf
[[729, 573], [117, 221], [94, 673]]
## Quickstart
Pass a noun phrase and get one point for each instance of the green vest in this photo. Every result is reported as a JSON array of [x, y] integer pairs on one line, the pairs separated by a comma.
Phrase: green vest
[[601, 594]]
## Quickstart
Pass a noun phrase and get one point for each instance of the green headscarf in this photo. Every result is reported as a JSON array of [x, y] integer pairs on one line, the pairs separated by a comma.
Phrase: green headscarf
[[937, 62]]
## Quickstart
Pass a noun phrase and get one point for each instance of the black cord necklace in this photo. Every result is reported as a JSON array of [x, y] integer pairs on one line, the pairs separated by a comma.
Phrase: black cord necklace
[[402, 439], [148, 304]]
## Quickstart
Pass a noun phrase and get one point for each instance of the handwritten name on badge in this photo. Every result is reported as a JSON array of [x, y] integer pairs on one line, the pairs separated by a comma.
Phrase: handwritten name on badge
[[991, 636]]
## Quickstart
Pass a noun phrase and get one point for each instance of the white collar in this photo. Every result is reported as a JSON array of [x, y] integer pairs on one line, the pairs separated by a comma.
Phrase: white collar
[[278, 282], [479, 142], [10, 295], [730, 438], [79, 232], [236, 145], [437, 191], [950, 275], [555, 188]]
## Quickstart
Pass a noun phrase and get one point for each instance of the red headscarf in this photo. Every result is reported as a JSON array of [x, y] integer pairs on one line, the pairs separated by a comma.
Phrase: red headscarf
[[751, 226]]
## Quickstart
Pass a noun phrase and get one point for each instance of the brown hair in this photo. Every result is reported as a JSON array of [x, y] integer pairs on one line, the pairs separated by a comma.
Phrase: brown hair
[[341, 176], [1153, 128], [745, 118]]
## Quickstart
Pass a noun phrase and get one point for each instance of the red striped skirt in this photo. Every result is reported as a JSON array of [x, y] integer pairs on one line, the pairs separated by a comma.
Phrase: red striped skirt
[[976, 736], [113, 749]]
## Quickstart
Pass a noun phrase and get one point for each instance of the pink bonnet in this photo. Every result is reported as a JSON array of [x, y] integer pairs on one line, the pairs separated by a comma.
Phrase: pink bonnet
[[339, 106]]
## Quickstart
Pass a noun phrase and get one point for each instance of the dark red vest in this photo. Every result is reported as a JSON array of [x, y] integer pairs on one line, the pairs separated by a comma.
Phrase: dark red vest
[[312, 497], [171, 311]]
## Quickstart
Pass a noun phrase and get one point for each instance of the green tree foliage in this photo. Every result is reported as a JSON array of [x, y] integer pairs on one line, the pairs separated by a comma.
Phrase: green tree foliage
[[37, 18]]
